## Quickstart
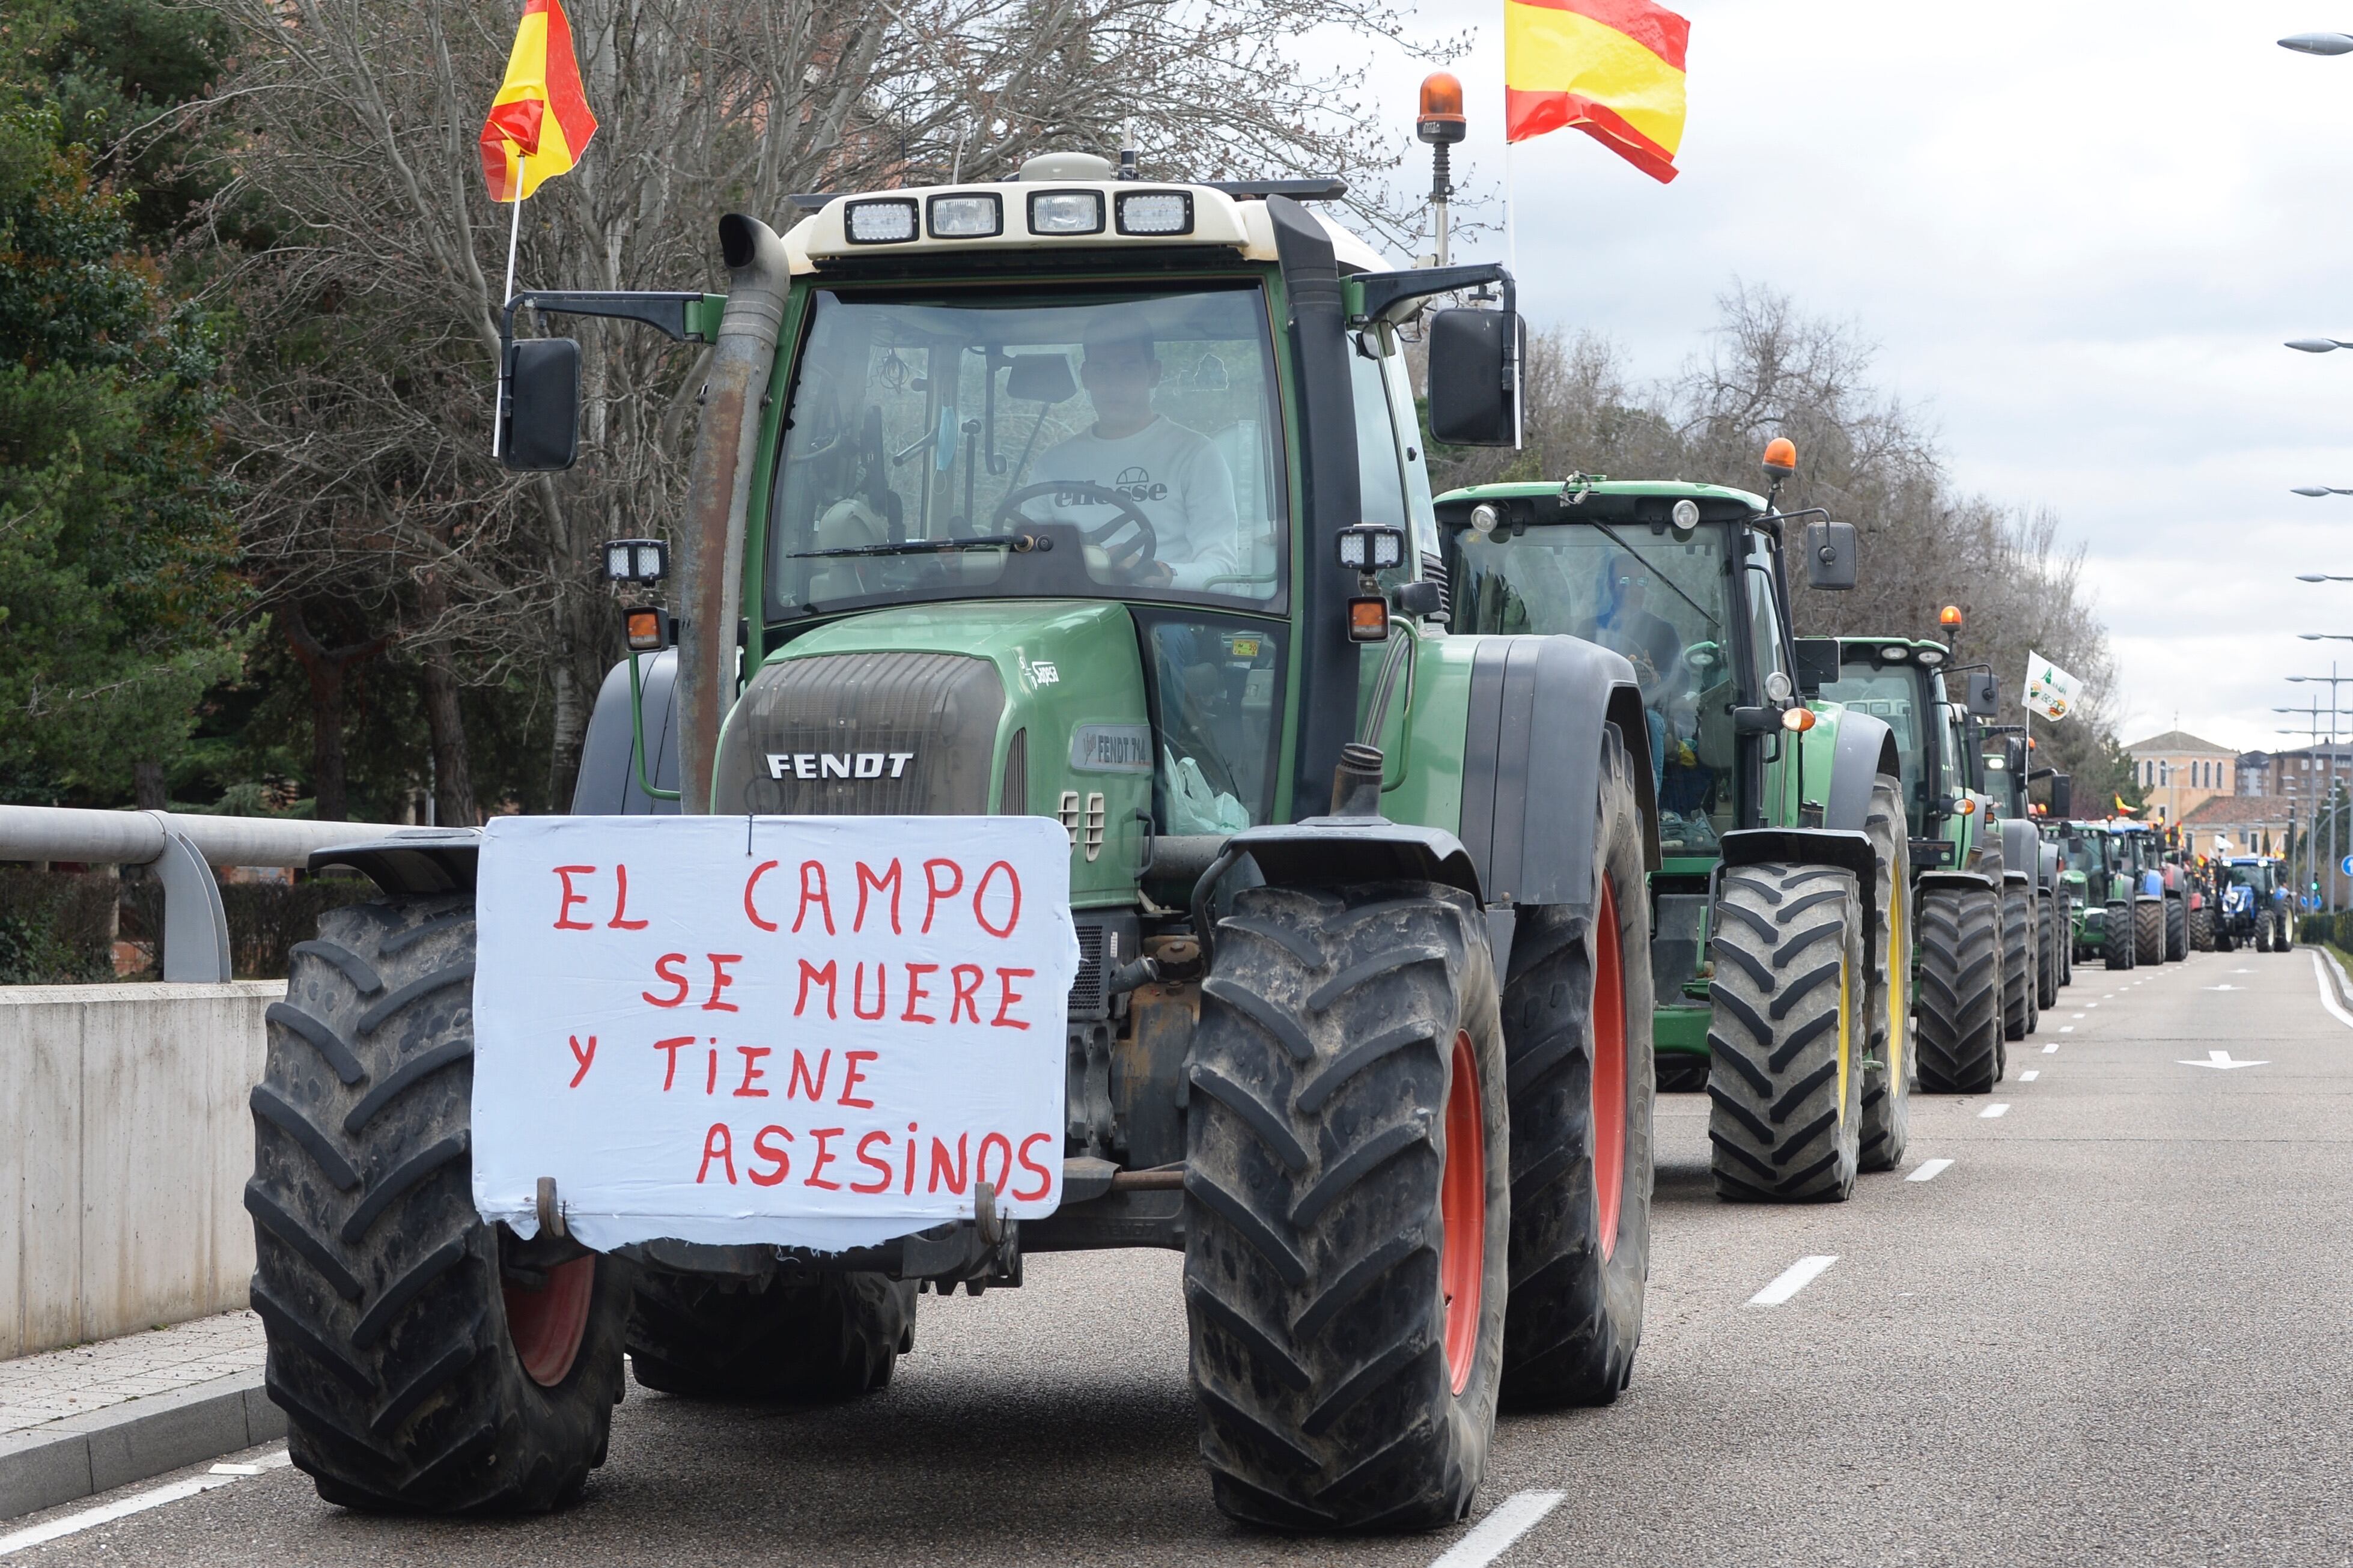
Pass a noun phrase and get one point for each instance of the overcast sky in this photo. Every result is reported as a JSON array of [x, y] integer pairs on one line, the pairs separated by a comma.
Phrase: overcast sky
[[2080, 233]]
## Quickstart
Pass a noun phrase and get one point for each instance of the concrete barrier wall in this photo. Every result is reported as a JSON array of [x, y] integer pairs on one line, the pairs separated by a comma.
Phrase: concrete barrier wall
[[125, 1142]]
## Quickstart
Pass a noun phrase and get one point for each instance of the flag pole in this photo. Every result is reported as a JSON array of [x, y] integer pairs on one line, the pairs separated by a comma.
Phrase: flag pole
[[514, 237]]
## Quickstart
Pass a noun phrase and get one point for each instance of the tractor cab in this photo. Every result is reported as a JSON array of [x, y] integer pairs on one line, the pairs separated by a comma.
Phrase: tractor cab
[[1901, 681]]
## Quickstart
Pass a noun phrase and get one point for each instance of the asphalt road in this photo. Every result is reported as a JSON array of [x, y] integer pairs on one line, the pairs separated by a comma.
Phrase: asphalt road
[[2114, 1328]]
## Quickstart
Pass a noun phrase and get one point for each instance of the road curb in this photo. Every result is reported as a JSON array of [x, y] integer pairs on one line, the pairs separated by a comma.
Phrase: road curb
[[63, 1461]]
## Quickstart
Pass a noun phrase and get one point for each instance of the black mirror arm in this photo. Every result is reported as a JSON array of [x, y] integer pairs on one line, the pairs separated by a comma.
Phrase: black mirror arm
[[1383, 292], [666, 311]]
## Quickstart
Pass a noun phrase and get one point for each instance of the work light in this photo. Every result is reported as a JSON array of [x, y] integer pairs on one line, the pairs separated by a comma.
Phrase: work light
[[635, 561], [1369, 549], [1156, 212], [967, 217], [881, 222], [1066, 212]]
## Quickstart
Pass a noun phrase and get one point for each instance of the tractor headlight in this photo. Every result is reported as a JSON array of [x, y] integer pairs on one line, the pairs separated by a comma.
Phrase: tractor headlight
[[967, 217], [1066, 212], [879, 223], [1684, 516], [1485, 518], [1156, 212], [635, 561]]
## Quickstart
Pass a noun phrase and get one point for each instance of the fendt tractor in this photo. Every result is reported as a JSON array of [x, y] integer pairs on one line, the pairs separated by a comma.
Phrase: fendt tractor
[[1781, 896], [1958, 957], [1101, 498], [2253, 905], [2120, 913]]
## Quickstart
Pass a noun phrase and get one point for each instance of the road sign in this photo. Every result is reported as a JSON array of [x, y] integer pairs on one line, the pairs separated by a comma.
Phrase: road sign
[[2345, 865]]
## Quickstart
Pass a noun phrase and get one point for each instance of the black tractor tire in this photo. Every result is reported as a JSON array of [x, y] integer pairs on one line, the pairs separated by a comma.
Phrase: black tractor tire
[[2123, 947], [2201, 931], [2262, 935], [1887, 1069], [2017, 961], [1576, 1040], [1787, 1033], [2224, 943], [422, 1365], [2177, 930], [2066, 939], [2148, 931], [1348, 1095], [2048, 939], [2280, 941], [1959, 1044], [831, 1337]]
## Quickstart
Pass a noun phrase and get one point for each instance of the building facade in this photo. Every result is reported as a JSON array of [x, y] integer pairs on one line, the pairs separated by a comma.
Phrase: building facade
[[2178, 773], [2255, 774], [2251, 823]]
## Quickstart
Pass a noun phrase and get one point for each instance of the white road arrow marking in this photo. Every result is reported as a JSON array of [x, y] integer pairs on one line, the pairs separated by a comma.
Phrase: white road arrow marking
[[2225, 988], [2221, 1062]]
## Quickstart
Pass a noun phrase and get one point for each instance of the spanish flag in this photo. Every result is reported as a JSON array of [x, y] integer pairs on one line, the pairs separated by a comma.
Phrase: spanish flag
[[539, 124], [1612, 68]]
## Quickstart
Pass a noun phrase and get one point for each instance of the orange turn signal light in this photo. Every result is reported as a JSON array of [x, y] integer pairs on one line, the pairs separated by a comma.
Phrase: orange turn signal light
[[1369, 619], [1782, 456], [1950, 616], [647, 629], [1797, 720], [1968, 808]]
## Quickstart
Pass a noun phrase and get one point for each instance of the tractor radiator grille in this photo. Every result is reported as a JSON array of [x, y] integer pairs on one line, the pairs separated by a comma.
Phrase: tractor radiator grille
[[878, 734]]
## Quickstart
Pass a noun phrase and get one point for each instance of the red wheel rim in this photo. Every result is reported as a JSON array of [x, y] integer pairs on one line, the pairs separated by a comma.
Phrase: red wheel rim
[[1609, 1070], [1463, 1204], [548, 1324]]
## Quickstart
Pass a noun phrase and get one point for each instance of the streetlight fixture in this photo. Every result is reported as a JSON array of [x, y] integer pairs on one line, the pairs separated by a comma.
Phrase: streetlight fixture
[[2325, 636], [2317, 577], [2318, 490], [2318, 44], [2318, 345]]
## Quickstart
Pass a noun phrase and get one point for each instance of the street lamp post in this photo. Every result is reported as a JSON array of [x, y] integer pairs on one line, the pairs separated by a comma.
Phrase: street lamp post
[[2332, 764]]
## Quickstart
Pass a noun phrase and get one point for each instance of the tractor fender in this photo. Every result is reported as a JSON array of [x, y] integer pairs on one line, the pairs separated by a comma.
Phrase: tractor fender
[[1849, 850], [608, 782], [2021, 851], [1955, 878], [1531, 761], [1332, 851], [2048, 865], [1865, 748], [415, 862]]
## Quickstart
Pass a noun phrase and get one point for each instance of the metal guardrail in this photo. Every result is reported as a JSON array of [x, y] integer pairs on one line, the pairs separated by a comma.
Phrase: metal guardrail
[[182, 846]]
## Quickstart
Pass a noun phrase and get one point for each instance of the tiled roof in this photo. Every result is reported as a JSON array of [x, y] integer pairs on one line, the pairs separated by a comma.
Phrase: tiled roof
[[2175, 741], [2235, 810]]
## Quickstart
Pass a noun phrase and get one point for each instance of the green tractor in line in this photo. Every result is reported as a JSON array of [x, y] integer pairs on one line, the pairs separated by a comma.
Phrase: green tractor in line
[[1103, 499], [1781, 905], [2031, 866], [2116, 910], [1960, 960]]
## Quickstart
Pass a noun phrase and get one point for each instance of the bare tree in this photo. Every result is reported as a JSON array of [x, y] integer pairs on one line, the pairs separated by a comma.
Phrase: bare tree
[[374, 301]]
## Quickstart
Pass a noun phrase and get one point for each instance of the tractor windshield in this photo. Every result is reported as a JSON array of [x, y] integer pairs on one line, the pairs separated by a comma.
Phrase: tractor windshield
[[1660, 601], [1893, 693], [968, 444]]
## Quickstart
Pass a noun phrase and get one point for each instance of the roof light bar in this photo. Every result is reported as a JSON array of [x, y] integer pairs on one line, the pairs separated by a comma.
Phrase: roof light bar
[[979, 217], [887, 222], [1154, 212], [1066, 212]]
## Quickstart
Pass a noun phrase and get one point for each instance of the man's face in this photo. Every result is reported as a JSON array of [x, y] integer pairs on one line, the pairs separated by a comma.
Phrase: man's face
[[1119, 376]]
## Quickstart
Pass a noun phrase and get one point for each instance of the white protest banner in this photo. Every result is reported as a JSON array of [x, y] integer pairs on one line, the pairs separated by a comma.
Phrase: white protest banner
[[804, 1031], [2050, 691]]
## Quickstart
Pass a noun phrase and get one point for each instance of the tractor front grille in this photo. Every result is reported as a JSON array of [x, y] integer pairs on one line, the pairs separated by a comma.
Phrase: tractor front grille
[[872, 734]]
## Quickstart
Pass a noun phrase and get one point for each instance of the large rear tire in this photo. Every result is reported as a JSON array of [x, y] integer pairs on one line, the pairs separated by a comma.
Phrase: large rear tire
[[422, 1364], [2066, 939], [2122, 944], [2048, 938], [2177, 930], [2148, 931], [831, 1337], [1785, 1117], [1960, 1034], [1577, 1036], [2017, 960], [1348, 1156], [1887, 1071]]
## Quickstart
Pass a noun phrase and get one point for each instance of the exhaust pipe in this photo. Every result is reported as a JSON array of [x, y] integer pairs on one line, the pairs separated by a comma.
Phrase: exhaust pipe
[[718, 494]]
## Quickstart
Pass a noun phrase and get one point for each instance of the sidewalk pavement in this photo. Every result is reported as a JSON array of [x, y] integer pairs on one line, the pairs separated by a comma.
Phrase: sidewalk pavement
[[83, 1420]]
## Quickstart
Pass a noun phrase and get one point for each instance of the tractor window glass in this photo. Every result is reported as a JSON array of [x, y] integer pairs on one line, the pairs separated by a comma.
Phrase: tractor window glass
[[1380, 487], [986, 444], [1215, 690], [1659, 601], [1416, 463], [1893, 695], [1764, 612]]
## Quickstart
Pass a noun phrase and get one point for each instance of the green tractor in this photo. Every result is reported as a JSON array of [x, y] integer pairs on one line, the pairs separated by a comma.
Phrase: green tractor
[[2031, 866], [2114, 910], [1960, 960], [1101, 500], [1781, 897]]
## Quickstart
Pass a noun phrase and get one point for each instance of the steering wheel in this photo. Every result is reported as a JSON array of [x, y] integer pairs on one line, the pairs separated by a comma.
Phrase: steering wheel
[[1009, 510]]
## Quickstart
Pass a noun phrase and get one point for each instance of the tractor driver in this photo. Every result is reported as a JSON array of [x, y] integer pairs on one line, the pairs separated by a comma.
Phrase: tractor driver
[[1622, 621], [1172, 475]]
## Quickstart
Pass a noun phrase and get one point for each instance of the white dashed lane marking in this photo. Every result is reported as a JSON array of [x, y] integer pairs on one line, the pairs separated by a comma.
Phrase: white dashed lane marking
[[1792, 1280], [1998, 1108], [1930, 1170], [1493, 1535]]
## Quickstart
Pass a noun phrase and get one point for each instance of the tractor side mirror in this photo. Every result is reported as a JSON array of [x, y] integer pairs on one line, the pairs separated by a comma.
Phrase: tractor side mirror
[[1474, 359], [2062, 796], [1984, 694], [1818, 664], [543, 411], [1830, 556]]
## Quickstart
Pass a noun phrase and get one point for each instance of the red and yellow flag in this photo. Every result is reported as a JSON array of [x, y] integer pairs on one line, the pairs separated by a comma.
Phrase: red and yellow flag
[[539, 123], [1612, 68]]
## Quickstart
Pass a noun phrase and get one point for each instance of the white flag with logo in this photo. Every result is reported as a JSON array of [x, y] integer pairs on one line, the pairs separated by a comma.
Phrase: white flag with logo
[[2050, 691]]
